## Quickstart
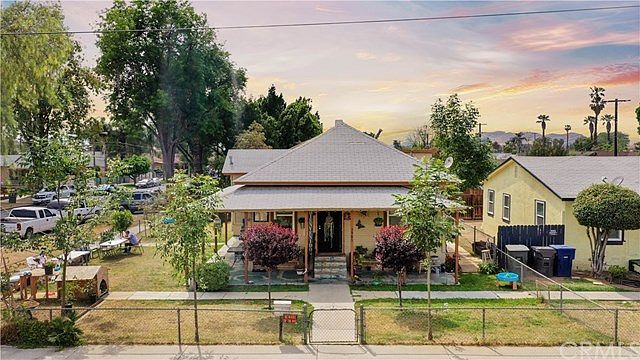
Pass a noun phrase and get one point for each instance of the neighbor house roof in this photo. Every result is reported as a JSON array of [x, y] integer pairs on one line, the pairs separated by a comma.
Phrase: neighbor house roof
[[566, 176], [270, 198], [341, 155], [242, 161]]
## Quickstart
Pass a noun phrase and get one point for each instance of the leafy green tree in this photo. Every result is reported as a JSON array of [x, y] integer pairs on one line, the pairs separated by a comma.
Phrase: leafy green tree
[[597, 105], [191, 204], [583, 144], [604, 208], [427, 211], [179, 84], [453, 124], [515, 145], [252, 138], [605, 144], [551, 147], [136, 165], [45, 88], [298, 123]]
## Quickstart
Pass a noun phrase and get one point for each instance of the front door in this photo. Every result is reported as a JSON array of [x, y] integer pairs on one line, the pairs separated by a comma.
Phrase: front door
[[330, 232]]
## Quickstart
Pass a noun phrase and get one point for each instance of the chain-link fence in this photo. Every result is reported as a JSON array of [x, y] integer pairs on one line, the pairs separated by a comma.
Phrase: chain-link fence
[[537, 326], [158, 325]]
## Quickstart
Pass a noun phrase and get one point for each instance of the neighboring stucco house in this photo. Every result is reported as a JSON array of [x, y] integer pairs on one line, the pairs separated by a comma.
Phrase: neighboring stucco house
[[335, 190], [540, 190]]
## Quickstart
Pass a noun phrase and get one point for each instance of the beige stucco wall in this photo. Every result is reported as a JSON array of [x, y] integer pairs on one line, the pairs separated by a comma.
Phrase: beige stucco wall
[[524, 190]]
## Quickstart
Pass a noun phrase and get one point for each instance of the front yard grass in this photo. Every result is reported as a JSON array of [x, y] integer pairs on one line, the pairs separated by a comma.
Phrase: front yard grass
[[507, 322], [220, 322], [483, 282]]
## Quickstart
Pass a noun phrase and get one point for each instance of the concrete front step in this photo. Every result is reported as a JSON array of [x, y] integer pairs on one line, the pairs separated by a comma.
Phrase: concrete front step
[[330, 268]]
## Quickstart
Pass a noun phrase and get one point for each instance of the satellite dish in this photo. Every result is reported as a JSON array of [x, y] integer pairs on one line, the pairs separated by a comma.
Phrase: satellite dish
[[604, 179], [448, 162], [617, 180]]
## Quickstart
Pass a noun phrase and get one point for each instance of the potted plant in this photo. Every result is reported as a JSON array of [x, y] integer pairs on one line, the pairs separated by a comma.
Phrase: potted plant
[[378, 221], [48, 267]]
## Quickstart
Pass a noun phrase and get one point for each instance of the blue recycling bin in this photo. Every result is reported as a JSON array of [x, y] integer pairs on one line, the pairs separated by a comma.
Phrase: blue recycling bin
[[564, 260]]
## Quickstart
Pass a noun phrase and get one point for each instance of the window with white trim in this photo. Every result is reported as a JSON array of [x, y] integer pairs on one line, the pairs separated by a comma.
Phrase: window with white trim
[[491, 202], [541, 212], [506, 207], [260, 216], [616, 237], [284, 219], [394, 219]]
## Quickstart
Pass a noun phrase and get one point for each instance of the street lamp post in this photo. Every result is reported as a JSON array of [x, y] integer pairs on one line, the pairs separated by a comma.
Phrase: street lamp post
[[567, 128]]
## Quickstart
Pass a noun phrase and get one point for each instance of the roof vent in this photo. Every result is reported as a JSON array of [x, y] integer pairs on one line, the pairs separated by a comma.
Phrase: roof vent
[[230, 160], [339, 122]]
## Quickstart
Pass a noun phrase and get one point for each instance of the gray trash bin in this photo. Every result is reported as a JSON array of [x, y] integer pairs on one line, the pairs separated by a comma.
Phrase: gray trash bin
[[520, 253], [543, 259]]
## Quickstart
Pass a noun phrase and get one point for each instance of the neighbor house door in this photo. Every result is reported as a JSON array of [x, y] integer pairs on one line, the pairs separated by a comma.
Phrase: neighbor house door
[[330, 232]]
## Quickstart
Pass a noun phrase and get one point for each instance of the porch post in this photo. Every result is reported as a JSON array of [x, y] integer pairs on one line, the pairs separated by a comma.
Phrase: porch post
[[305, 231], [315, 233], [351, 267], [226, 233], [246, 260], [457, 252]]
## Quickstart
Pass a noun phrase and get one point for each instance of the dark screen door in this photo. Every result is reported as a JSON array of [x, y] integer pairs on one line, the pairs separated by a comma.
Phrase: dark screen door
[[330, 232]]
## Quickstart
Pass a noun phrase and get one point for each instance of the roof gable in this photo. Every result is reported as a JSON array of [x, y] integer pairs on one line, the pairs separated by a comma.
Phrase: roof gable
[[566, 176], [341, 155]]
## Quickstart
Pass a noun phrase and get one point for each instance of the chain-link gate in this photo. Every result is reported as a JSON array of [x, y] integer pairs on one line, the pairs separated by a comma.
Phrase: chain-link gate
[[333, 326]]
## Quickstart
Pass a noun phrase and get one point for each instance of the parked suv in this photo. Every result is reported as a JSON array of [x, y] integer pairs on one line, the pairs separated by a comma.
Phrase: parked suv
[[45, 196], [139, 199]]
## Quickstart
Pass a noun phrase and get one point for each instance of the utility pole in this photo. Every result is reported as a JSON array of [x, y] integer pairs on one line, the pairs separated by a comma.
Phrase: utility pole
[[480, 129], [615, 123], [567, 128]]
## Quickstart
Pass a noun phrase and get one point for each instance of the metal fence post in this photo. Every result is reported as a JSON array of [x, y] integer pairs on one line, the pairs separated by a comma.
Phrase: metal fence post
[[179, 330], [474, 233], [305, 325], [50, 314], [615, 327], [561, 298], [484, 324], [363, 339]]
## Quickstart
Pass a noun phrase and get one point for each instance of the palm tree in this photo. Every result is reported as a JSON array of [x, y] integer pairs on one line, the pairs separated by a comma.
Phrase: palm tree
[[590, 120], [542, 120], [519, 137], [597, 105], [606, 120]]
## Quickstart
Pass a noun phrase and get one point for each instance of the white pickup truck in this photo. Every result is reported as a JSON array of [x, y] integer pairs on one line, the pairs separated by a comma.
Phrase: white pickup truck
[[29, 220], [81, 210]]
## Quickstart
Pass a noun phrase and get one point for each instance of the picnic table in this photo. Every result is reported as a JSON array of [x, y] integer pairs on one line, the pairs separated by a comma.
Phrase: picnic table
[[78, 256], [111, 247]]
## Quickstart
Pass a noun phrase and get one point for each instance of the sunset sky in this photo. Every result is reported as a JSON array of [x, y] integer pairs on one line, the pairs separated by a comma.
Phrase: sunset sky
[[387, 75]]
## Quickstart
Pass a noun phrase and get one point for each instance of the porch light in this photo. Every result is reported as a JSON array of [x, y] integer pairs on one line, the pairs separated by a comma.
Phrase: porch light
[[217, 222]]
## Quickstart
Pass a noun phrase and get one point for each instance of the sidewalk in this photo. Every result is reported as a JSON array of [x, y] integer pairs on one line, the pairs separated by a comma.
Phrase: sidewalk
[[321, 352], [368, 295]]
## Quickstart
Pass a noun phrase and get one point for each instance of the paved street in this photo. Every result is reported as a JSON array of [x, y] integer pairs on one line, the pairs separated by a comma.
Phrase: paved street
[[351, 352]]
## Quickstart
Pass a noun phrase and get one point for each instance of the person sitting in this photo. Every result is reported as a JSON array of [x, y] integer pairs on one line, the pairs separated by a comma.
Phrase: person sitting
[[132, 240]]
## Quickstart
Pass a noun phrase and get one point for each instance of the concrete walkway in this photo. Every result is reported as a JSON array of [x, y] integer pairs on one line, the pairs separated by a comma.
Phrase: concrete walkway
[[337, 325], [322, 352], [324, 296]]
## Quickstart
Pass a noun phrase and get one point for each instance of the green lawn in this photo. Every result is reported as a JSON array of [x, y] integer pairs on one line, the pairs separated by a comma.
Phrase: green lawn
[[506, 322], [482, 282]]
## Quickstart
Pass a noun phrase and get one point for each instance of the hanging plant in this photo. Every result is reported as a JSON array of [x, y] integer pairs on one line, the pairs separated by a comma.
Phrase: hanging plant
[[378, 221]]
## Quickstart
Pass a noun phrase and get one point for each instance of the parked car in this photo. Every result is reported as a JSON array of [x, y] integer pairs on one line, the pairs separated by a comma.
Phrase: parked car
[[154, 182], [105, 188], [29, 220], [82, 211], [45, 196], [144, 183], [139, 199]]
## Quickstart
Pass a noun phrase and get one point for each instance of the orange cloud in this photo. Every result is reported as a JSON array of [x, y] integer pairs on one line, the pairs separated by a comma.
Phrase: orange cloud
[[469, 88], [618, 74], [537, 79]]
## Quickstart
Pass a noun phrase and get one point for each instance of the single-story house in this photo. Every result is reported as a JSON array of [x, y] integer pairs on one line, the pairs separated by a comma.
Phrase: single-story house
[[527, 190], [335, 190]]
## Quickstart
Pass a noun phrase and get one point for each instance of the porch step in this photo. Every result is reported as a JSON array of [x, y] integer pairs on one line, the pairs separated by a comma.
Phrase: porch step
[[331, 267]]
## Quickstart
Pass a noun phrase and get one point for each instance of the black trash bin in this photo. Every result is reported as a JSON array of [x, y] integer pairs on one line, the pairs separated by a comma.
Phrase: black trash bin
[[564, 260], [13, 197], [543, 259], [520, 253]]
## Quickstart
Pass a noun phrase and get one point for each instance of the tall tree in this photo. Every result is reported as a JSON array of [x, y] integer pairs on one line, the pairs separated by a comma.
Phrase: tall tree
[[638, 118], [542, 120], [597, 105], [179, 84], [252, 138], [550, 147], [590, 120], [606, 121], [418, 138], [298, 123], [453, 124], [45, 88]]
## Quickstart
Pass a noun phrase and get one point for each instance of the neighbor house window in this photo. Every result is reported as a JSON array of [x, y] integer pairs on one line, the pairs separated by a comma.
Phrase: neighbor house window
[[491, 202], [394, 219], [541, 211], [506, 207], [284, 219], [616, 237], [260, 216]]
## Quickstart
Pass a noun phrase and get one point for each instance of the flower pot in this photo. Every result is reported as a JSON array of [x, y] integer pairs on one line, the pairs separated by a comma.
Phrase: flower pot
[[48, 269]]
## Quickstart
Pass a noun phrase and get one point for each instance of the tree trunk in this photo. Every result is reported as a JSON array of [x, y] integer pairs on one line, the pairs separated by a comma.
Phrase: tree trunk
[[430, 332], [269, 288], [595, 130], [195, 299], [399, 287], [168, 155]]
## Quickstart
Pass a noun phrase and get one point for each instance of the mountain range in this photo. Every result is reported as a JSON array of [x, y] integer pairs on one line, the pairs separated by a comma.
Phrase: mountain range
[[502, 137]]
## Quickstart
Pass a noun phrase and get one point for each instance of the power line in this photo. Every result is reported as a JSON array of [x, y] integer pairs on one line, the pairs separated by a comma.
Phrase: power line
[[326, 23]]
